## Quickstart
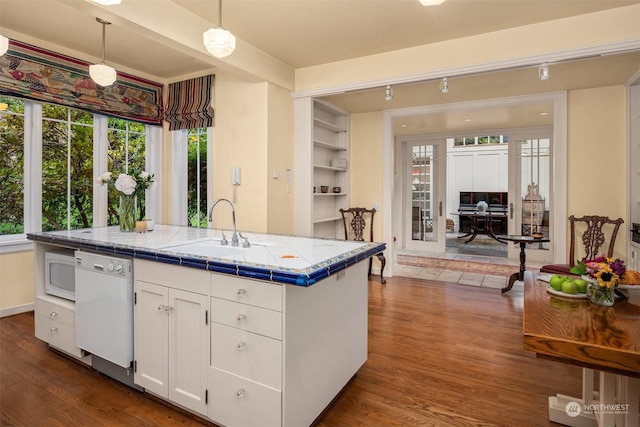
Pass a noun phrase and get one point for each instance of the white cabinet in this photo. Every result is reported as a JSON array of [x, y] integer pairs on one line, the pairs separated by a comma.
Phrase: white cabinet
[[246, 372], [321, 157], [55, 323], [171, 336]]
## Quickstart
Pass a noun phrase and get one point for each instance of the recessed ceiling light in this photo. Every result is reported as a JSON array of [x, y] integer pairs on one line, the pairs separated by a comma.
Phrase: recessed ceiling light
[[403, 125], [107, 2], [544, 113], [467, 120], [431, 2]]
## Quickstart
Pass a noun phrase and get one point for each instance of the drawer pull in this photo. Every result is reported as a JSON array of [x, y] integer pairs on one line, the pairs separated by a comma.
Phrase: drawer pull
[[53, 329], [240, 393], [241, 317], [242, 292], [53, 314], [242, 345]]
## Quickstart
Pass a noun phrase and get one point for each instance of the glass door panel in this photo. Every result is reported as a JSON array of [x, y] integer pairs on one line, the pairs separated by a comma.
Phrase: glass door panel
[[424, 196]]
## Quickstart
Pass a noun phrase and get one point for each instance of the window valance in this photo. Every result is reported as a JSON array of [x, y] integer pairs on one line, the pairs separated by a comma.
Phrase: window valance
[[189, 104], [28, 71]]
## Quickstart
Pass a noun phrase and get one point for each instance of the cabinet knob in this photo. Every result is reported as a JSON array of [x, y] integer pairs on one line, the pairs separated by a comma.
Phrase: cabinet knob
[[240, 393], [53, 314], [242, 345], [242, 292], [53, 329], [241, 317]]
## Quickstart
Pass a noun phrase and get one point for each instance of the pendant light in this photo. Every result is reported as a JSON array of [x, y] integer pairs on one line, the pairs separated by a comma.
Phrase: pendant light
[[218, 41], [101, 73], [4, 45]]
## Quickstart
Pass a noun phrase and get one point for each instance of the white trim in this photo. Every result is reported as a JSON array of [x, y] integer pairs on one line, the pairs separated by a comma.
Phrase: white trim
[[179, 153], [153, 164], [100, 164], [32, 167], [18, 243], [10, 311], [485, 67]]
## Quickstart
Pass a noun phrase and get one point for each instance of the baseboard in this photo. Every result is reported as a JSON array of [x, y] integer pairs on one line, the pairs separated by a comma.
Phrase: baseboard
[[10, 311]]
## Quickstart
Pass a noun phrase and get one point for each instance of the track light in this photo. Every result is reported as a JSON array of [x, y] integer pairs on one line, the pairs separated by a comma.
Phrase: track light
[[4, 45], [101, 73], [218, 41], [543, 72], [444, 85], [388, 93]]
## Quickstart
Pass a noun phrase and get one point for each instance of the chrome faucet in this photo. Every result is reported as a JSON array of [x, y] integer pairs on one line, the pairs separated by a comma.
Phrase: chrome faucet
[[234, 238]]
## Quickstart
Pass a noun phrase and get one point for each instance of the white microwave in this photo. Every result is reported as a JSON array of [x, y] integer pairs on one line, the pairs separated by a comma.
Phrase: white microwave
[[60, 274]]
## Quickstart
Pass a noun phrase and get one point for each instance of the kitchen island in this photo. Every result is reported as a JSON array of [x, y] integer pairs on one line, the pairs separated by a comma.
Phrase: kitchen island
[[266, 335]]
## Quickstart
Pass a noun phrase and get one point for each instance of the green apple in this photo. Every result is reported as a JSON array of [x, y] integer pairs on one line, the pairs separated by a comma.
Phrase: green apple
[[582, 286], [556, 281], [570, 287]]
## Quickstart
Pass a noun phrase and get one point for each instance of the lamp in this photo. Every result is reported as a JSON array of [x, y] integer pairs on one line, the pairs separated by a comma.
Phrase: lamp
[[444, 85], [543, 72], [101, 73], [4, 45], [218, 41], [431, 2], [107, 2], [388, 93]]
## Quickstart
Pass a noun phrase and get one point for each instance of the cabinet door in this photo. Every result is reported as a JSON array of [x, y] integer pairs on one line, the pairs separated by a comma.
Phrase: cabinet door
[[188, 349], [151, 336]]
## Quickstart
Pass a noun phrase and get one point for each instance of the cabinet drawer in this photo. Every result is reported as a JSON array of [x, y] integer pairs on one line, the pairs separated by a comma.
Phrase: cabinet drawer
[[247, 317], [246, 354], [55, 312], [57, 334], [253, 292], [236, 401]]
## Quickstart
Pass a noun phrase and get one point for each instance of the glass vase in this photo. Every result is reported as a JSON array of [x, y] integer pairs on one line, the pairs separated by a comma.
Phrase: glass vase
[[601, 295], [127, 213]]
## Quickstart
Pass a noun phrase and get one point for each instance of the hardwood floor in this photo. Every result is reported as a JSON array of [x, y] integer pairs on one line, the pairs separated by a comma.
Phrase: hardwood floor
[[439, 355]]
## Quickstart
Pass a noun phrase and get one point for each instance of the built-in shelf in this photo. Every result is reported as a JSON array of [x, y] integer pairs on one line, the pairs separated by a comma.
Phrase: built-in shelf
[[327, 219], [328, 126], [329, 168], [328, 145]]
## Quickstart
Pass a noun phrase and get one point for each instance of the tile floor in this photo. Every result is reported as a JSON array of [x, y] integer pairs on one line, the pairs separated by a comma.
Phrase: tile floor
[[460, 277]]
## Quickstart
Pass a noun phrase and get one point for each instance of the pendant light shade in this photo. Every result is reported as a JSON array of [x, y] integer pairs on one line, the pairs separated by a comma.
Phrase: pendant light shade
[[218, 41], [4, 45], [101, 73]]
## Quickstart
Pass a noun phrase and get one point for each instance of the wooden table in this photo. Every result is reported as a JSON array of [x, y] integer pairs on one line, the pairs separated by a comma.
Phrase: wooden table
[[523, 241], [475, 229], [602, 340]]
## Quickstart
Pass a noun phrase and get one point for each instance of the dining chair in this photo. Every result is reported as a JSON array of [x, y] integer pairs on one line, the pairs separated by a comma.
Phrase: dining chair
[[356, 222], [593, 239]]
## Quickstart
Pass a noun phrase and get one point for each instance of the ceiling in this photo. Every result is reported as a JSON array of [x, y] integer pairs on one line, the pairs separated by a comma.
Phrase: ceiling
[[304, 33]]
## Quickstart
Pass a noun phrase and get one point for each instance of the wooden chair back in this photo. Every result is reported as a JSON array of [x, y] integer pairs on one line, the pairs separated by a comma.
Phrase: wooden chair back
[[358, 224], [594, 236]]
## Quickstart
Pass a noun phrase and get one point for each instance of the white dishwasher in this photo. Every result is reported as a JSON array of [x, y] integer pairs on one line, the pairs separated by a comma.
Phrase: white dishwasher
[[104, 310]]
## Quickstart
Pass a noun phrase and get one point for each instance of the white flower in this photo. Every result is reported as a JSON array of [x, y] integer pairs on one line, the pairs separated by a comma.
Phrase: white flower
[[144, 175], [126, 184], [104, 178]]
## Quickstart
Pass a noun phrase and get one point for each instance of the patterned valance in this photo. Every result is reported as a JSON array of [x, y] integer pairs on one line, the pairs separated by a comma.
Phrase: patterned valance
[[189, 104], [27, 71]]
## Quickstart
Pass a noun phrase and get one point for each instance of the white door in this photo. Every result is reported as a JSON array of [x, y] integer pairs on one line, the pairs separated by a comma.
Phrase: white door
[[151, 336], [188, 349], [530, 186], [424, 185]]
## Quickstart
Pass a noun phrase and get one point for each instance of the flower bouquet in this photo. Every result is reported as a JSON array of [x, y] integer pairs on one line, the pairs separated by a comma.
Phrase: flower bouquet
[[605, 274], [130, 187]]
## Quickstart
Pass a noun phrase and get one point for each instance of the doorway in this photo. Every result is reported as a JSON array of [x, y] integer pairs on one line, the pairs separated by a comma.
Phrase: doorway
[[394, 224]]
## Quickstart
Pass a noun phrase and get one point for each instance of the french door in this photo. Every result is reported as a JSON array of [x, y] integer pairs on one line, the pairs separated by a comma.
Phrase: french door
[[530, 186], [424, 180]]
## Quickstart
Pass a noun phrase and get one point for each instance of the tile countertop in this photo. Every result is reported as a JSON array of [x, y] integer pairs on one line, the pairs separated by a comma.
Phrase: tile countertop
[[276, 258]]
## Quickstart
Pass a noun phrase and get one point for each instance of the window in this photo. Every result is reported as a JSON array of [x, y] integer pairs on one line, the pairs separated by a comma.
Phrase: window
[[67, 168], [197, 178], [126, 154], [48, 167], [480, 140], [12, 166]]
